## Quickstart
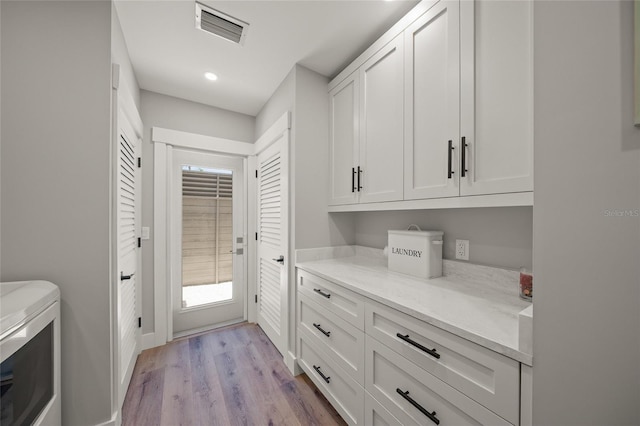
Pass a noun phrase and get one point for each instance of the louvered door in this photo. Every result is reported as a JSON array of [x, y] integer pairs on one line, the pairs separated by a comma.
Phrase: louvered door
[[273, 242], [128, 199]]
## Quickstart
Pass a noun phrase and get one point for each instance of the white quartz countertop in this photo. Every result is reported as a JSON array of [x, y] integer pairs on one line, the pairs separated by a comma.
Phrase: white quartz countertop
[[472, 306]]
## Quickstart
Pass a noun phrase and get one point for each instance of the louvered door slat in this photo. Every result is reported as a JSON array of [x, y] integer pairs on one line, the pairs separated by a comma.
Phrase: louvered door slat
[[272, 240], [127, 244]]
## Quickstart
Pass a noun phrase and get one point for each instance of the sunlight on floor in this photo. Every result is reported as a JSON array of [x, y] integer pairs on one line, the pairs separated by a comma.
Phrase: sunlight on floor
[[196, 295]]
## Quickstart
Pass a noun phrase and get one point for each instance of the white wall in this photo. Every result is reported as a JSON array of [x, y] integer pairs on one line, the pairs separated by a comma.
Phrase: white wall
[[497, 236], [177, 114], [120, 56], [586, 327], [314, 227], [56, 81], [280, 101]]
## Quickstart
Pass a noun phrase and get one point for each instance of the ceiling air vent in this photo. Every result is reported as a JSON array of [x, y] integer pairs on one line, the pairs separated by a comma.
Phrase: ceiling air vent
[[220, 24]]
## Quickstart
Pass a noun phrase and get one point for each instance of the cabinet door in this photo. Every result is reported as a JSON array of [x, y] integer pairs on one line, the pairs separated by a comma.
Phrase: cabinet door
[[381, 119], [343, 140], [432, 103], [497, 96]]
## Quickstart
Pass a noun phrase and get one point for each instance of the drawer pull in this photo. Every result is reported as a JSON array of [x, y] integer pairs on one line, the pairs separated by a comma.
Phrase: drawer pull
[[325, 378], [431, 352], [432, 415], [322, 293], [326, 333]]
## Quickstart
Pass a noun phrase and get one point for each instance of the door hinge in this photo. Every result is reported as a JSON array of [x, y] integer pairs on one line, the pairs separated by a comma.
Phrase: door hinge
[[139, 242], [256, 236], [256, 174], [139, 322], [256, 298], [139, 162]]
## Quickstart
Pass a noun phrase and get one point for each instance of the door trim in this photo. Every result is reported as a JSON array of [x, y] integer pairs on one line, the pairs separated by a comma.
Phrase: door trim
[[164, 141]]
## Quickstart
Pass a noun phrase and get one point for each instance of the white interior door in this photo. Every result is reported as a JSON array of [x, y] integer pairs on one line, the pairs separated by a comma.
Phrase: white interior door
[[208, 241], [273, 237], [127, 248]]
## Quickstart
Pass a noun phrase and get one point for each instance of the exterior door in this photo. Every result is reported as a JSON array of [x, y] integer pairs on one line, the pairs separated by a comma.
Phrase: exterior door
[[127, 216], [273, 234], [432, 103], [207, 241]]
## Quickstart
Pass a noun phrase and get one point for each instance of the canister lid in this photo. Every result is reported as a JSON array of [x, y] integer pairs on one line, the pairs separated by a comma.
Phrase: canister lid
[[422, 233]]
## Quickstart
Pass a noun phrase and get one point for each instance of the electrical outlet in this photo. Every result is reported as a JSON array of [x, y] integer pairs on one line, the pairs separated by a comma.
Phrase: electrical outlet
[[462, 249]]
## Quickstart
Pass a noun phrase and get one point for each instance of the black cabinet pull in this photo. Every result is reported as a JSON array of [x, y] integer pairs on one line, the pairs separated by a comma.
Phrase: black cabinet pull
[[279, 260], [450, 159], [359, 171], [432, 415], [463, 156], [326, 333], [406, 338], [124, 277], [326, 378], [353, 179], [322, 293]]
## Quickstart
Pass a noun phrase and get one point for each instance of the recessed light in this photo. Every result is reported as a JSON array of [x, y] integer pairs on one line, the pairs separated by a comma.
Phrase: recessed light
[[210, 76]]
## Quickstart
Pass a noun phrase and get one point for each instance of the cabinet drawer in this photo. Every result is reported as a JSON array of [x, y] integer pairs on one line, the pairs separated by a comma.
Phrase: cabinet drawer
[[341, 341], [336, 299], [483, 375], [375, 414], [344, 393], [388, 374]]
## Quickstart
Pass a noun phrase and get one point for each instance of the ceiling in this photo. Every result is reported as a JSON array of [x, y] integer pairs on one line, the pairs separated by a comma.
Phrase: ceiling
[[170, 56]]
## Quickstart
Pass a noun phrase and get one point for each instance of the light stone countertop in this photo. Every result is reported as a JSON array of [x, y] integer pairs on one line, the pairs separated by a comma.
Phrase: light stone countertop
[[478, 303]]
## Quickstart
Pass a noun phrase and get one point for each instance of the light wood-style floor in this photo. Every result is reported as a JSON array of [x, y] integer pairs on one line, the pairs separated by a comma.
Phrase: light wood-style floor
[[230, 376]]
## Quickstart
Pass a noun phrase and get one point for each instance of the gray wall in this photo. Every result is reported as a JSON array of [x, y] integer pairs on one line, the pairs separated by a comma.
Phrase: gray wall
[[586, 326], [305, 94], [280, 101], [314, 227], [55, 180], [177, 114], [120, 56], [497, 236]]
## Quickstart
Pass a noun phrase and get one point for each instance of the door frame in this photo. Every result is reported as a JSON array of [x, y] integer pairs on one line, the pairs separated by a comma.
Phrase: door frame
[[238, 164], [164, 141]]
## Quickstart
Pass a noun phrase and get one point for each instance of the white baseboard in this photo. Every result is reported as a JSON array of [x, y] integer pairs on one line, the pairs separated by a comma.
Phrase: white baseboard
[[148, 341], [114, 421], [291, 362]]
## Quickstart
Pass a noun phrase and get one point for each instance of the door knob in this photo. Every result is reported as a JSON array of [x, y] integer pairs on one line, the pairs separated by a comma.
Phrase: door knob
[[280, 259]]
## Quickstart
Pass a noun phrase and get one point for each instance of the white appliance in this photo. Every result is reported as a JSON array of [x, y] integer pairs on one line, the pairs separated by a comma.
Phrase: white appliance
[[30, 353]]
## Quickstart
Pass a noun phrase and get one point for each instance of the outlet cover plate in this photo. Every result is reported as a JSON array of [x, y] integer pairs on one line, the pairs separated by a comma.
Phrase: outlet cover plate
[[462, 249]]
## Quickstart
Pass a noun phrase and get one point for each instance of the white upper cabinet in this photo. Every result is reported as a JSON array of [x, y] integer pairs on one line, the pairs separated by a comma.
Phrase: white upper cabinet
[[439, 109], [344, 116], [381, 125], [432, 104], [497, 96]]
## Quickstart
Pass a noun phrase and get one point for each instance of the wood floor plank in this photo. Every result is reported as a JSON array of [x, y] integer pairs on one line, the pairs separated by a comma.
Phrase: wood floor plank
[[230, 376], [143, 401], [208, 397], [177, 403]]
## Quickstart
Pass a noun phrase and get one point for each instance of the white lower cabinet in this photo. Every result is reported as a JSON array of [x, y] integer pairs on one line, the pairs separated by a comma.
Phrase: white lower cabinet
[[384, 367], [481, 374], [343, 342], [376, 415], [344, 393], [414, 396]]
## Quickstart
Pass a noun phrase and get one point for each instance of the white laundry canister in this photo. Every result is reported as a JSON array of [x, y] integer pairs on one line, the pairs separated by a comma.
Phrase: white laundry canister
[[417, 253]]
